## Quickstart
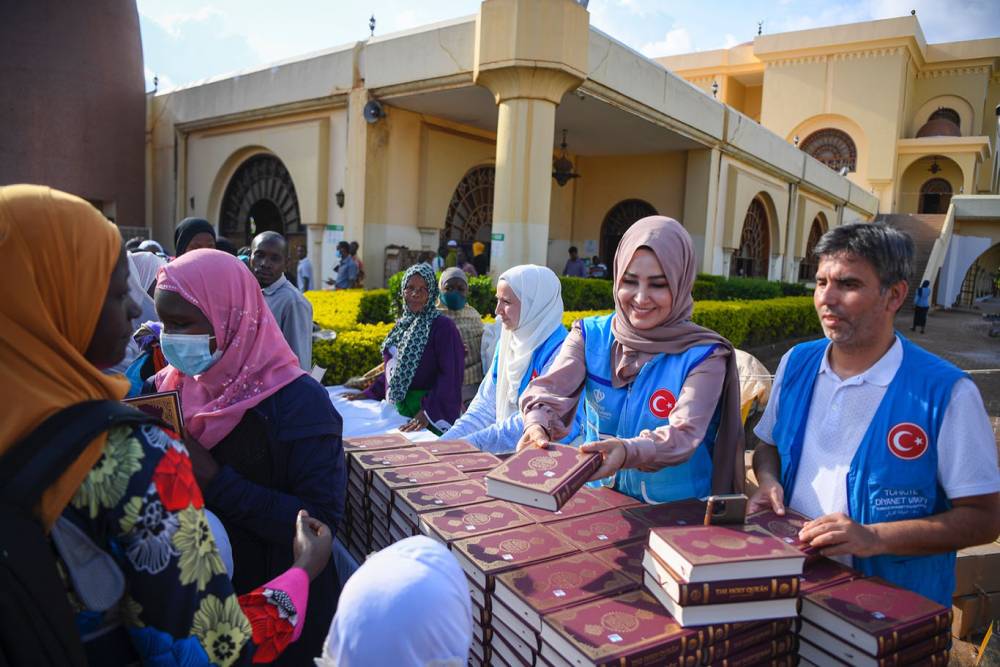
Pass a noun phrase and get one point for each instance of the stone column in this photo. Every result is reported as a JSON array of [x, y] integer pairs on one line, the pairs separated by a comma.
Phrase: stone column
[[528, 54]]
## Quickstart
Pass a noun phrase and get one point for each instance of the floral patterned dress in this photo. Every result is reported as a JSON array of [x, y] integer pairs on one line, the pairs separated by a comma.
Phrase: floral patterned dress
[[142, 504]]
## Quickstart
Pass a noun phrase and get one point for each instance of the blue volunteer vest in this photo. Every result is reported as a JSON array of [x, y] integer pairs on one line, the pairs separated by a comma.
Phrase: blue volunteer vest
[[645, 403], [893, 475], [542, 355]]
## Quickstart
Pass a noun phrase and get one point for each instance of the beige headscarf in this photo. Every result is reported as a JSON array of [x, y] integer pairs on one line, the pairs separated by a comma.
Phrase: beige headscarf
[[632, 348]]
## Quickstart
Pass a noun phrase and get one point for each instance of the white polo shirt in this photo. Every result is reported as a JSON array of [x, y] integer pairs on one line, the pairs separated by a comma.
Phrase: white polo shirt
[[839, 415]]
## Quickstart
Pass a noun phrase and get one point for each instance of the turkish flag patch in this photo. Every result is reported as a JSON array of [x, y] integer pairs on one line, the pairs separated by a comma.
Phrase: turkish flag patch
[[661, 403], [907, 441]]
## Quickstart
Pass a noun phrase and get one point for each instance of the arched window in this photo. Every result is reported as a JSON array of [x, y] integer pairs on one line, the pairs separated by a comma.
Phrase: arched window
[[621, 216], [946, 114], [935, 196], [833, 148], [470, 213], [751, 259], [810, 263], [260, 197]]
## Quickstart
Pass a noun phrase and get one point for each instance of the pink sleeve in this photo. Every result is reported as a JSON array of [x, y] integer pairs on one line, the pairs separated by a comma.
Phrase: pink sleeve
[[551, 399], [674, 443], [277, 613]]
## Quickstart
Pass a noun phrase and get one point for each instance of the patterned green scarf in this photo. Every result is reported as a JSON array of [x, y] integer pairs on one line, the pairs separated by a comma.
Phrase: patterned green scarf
[[411, 333]]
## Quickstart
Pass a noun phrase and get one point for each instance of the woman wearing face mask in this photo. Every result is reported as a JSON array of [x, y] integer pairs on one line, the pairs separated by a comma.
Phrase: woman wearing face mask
[[129, 502], [661, 393], [530, 310], [424, 359], [263, 436], [454, 287]]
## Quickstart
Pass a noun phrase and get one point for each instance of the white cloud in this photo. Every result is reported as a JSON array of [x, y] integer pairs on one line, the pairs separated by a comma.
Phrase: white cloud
[[173, 23], [677, 40], [731, 41]]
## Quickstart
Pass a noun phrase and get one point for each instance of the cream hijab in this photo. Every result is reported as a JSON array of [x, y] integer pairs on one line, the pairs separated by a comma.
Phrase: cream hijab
[[407, 605], [632, 348], [540, 293]]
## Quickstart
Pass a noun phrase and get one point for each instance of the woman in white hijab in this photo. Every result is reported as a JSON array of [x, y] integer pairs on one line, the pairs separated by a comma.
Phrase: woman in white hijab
[[406, 606], [140, 296], [530, 310]]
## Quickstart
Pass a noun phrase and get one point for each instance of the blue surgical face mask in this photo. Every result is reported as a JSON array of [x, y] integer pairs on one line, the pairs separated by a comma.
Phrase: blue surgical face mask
[[453, 300], [340, 255], [189, 353]]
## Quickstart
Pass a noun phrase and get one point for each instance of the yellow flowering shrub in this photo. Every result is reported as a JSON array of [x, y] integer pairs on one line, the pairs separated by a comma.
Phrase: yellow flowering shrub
[[351, 353], [336, 309]]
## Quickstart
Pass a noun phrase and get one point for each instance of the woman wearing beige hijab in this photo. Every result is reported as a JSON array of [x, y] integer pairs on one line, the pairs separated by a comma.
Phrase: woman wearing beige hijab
[[661, 393]]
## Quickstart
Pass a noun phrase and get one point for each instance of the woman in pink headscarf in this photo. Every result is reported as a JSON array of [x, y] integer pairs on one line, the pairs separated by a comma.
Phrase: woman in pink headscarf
[[661, 393], [263, 436]]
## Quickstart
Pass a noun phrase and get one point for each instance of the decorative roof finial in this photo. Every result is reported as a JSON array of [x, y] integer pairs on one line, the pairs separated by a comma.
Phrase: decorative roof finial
[[760, 27], [371, 25]]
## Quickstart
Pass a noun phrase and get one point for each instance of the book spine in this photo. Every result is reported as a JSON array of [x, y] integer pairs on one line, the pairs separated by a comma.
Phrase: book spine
[[718, 592], [761, 652], [664, 654], [574, 482], [745, 640], [912, 632], [911, 654]]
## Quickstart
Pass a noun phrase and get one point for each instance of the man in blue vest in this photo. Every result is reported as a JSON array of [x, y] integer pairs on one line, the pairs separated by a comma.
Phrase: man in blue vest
[[887, 445]]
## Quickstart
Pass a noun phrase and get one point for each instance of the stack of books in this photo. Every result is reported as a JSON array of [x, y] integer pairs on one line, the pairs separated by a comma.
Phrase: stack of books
[[707, 575], [542, 478], [870, 623], [356, 530]]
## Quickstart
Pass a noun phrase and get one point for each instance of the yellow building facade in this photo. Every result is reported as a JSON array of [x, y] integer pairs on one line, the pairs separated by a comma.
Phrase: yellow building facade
[[915, 124], [522, 127]]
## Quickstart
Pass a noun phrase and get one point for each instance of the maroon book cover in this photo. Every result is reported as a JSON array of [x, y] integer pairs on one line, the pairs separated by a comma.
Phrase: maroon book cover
[[746, 640], [678, 513], [165, 406], [714, 545], [719, 592], [478, 475], [786, 528], [459, 522], [472, 461], [631, 628], [373, 442], [603, 529], [390, 479], [584, 501], [557, 471], [614, 498], [412, 502], [393, 458], [717, 632], [893, 616], [487, 555], [626, 557], [820, 573], [448, 447], [560, 583]]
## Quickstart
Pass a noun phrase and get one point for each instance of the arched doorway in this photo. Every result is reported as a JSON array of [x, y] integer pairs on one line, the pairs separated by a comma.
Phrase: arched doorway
[[935, 196], [260, 197], [621, 216], [470, 212], [751, 259], [980, 278], [810, 263], [832, 147]]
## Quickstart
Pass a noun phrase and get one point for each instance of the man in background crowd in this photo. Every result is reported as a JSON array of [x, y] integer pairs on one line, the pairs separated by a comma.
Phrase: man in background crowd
[[292, 311], [574, 265]]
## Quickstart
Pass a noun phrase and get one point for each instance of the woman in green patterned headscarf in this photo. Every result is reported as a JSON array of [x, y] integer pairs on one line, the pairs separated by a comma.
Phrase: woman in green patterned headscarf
[[424, 359]]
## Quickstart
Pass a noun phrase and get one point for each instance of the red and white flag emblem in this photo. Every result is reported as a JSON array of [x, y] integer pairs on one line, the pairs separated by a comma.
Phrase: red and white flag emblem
[[661, 403], [907, 441]]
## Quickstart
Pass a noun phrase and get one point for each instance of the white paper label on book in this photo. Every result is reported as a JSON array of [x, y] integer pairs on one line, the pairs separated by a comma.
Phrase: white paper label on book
[[614, 638], [438, 501], [470, 527], [507, 557], [413, 480], [602, 537], [559, 593], [549, 473]]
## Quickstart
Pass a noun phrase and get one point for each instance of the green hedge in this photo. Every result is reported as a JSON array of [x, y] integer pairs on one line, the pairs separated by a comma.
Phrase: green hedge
[[351, 353], [375, 307], [708, 286]]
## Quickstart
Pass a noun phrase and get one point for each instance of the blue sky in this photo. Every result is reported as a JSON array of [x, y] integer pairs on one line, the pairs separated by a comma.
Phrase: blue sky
[[188, 40]]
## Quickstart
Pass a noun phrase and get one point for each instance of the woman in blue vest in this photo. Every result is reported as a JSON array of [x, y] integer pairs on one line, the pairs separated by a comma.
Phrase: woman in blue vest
[[530, 310], [661, 393]]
